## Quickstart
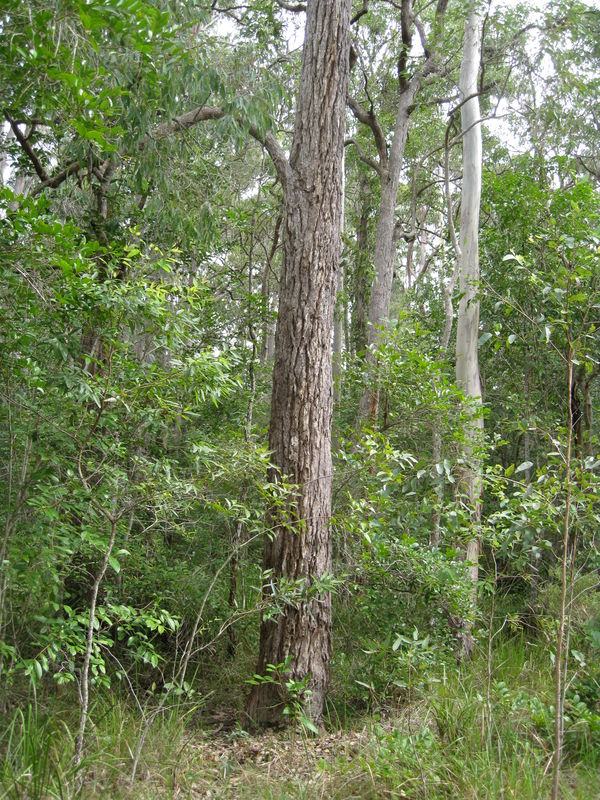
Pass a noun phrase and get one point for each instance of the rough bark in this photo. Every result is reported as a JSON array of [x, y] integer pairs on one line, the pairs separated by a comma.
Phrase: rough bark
[[299, 548], [467, 330]]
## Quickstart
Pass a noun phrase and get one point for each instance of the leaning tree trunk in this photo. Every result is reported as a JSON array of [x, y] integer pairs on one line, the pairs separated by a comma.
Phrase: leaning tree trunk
[[299, 548], [467, 331]]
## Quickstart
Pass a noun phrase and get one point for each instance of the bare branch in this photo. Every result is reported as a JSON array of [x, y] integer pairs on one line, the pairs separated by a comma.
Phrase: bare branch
[[185, 121], [27, 148], [370, 162], [368, 118], [54, 181], [360, 13], [276, 151]]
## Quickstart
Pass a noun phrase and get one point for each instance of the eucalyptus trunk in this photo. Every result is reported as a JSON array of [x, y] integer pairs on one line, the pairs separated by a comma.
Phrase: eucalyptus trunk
[[360, 298], [340, 311], [383, 259], [298, 550], [467, 331]]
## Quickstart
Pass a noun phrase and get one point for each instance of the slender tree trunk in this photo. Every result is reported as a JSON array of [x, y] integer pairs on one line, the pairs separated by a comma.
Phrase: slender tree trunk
[[267, 349], [562, 652], [389, 169], [467, 331], [361, 276], [84, 684], [338, 321], [588, 417], [383, 260], [238, 531], [299, 548], [448, 289]]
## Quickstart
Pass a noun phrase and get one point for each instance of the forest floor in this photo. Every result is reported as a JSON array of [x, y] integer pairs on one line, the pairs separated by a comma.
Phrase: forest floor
[[377, 758], [460, 734]]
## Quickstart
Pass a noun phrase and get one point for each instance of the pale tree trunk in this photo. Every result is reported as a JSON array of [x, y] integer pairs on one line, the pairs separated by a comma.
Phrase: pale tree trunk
[[267, 348], [467, 331], [361, 274], [340, 311], [448, 289], [299, 548], [383, 259], [389, 167]]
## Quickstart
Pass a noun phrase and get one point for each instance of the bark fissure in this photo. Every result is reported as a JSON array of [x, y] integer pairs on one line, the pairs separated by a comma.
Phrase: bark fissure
[[302, 400]]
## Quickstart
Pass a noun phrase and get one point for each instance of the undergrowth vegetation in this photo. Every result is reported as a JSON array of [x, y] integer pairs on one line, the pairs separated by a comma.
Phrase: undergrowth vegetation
[[184, 491], [453, 732]]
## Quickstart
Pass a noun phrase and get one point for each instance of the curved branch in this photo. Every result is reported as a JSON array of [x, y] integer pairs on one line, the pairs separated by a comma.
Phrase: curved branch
[[368, 118], [54, 181], [184, 121], [179, 124], [27, 148], [370, 162]]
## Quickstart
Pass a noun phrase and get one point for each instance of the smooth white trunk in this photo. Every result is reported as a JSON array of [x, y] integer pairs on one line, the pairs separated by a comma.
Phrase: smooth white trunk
[[467, 331]]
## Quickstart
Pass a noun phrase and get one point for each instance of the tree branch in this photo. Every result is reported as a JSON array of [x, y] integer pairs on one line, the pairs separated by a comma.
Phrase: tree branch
[[360, 13], [54, 181], [27, 148], [277, 153], [405, 23], [368, 118], [191, 118], [370, 162], [184, 121]]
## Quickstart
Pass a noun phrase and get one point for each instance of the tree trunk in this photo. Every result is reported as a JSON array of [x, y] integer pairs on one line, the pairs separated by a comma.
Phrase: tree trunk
[[383, 260], [390, 166], [299, 547], [267, 345], [361, 274], [340, 312], [588, 417], [467, 331]]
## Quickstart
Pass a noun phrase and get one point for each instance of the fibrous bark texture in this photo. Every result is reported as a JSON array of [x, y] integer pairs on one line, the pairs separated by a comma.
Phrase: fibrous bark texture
[[299, 549]]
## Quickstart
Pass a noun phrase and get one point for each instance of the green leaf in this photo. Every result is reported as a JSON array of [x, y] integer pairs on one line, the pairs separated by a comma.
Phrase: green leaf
[[306, 723], [524, 466]]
